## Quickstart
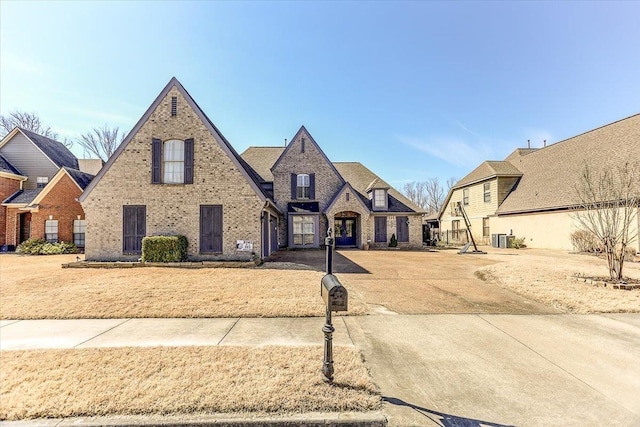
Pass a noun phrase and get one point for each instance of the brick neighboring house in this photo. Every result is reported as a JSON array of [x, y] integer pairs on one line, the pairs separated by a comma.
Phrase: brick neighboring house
[[175, 173], [39, 187], [532, 193], [316, 194]]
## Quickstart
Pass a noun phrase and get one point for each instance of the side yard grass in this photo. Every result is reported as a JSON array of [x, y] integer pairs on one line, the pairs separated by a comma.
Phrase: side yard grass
[[36, 287], [180, 380], [550, 277]]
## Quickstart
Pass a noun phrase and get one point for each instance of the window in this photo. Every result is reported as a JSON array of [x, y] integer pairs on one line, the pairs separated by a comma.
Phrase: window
[[51, 230], [379, 198], [346, 196], [303, 187], [402, 228], [42, 181], [174, 161], [79, 227], [134, 228], [487, 192], [380, 229], [455, 229], [465, 197], [210, 228], [485, 227], [304, 228]]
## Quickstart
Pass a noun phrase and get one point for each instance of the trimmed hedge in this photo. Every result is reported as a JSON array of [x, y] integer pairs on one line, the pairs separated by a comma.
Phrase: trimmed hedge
[[36, 246], [164, 249]]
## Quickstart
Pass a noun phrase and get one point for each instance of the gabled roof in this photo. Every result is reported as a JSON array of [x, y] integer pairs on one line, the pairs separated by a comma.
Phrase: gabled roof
[[550, 174], [304, 131], [487, 170], [54, 150], [7, 167], [360, 177], [82, 179], [261, 159], [252, 177], [35, 196], [364, 201]]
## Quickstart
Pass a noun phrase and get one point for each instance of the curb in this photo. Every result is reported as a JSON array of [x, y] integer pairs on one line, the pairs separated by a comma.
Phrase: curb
[[315, 419]]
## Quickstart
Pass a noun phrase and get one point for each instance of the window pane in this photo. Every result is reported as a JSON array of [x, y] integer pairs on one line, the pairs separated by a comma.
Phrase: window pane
[[79, 226]]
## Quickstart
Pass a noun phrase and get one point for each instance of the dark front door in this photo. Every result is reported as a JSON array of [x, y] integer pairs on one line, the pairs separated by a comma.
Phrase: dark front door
[[25, 227], [211, 228], [345, 231]]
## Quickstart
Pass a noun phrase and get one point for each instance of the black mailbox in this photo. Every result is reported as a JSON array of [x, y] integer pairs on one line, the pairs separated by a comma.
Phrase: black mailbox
[[334, 294]]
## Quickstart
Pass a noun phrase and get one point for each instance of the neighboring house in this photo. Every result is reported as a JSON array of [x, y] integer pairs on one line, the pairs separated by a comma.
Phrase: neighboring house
[[39, 186], [315, 194], [176, 174], [532, 193]]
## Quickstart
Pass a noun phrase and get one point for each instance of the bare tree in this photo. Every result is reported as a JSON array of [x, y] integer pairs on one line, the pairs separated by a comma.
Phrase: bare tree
[[429, 194], [28, 121], [101, 142], [608, 208]]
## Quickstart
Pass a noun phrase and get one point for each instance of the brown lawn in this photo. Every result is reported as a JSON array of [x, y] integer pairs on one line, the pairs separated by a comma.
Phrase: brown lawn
[[36, 287], [180, 380]]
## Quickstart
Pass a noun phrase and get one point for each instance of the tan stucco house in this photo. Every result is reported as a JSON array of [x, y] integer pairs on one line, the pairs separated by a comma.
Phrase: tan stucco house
[[532, 193], [175, 173]]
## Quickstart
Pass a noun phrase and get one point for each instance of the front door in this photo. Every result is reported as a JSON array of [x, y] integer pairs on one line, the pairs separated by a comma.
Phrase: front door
[[345, 231], [25, 227]]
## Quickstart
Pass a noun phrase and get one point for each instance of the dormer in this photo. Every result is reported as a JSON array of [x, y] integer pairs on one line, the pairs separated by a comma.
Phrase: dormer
[[378, 194]]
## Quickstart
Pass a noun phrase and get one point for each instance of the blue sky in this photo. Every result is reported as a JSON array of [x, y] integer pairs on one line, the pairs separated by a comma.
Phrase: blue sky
[[413, 90]]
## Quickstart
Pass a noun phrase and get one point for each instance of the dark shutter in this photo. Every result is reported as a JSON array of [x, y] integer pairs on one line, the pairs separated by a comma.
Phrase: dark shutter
[[380, 225], [188, 161], [156, 161], [210, 228], [402, 228], [134, 228], [294, 186], [312, 186]]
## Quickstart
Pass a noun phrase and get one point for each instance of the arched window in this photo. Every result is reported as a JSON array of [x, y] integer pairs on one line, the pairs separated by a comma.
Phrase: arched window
[[173, 161]]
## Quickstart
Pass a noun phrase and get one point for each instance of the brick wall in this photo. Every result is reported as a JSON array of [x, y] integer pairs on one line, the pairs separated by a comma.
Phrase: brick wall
[[7, 188], [327, 180], [171, 208]]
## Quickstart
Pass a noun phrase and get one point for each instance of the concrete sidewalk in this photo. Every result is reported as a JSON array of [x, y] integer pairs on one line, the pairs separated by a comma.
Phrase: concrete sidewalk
[[91, 333], [447, 370]]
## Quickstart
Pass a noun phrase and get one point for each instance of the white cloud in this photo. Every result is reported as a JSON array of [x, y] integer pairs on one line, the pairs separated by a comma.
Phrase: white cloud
[[454, 151]]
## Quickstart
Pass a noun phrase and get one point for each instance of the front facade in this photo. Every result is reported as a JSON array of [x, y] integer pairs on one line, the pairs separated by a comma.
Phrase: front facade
[[39, 187], [175, 174], [535, 189]]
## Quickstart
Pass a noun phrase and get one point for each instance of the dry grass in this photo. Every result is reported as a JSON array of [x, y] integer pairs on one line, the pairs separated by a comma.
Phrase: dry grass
[[180, 380], [36, 287], [548, 277]]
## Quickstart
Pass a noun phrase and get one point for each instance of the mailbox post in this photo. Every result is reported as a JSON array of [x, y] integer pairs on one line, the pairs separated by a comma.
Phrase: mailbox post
[[335, 297]]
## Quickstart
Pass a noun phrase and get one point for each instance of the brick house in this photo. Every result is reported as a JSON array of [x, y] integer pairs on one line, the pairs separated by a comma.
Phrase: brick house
[[175, 173], [39, 187]]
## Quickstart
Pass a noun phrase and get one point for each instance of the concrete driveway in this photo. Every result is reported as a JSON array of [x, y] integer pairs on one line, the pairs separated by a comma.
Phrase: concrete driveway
[[418, 282], [504, 370]]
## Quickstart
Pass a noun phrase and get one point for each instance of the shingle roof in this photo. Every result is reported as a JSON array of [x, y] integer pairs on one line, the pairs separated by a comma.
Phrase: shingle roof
[[6, 166], [550, 174], [81, 178], [56, 151], [23, 196], [488, 169], [261, 159], [360, 177], [519, 152]]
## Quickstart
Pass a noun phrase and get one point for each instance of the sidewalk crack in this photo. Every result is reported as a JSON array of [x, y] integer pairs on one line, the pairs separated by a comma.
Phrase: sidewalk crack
[[230, 329], [101, 333]]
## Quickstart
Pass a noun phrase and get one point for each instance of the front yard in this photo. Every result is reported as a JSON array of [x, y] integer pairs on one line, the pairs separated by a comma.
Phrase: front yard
[[36, 287]]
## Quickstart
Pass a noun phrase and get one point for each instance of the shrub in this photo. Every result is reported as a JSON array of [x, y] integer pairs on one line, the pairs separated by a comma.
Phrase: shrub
[[37, 246], [164, 249], [393, 242], [629, 253], [518, 243], [585, 241]]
